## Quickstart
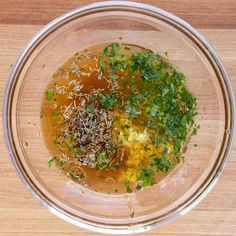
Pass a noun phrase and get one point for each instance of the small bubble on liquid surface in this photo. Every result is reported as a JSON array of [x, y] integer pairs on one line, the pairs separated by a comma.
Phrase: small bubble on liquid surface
[[26, 145], [54, 105], [110, 181]]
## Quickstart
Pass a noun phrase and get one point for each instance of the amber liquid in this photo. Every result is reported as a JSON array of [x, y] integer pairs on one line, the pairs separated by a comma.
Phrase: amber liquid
[[102, 181]]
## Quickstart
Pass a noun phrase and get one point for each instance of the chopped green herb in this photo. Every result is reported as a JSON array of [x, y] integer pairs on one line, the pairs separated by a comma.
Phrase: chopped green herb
[[76, 150], [195, 129], [76, 174], [127, 185], [146, 148], [157, 141], [116, 165], [161, 164], [102, 160], [114, 76], [146, 176], [139, 187], [49, 94], [165, 90], [61, 164], [90, 108], [83, 148], [153, 110], [55, 116], [166, 54], [125, 126], [132, 110], [108, 101], [51, 161]]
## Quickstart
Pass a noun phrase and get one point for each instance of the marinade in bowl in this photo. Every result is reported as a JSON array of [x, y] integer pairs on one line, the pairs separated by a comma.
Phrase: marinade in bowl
[[118, 114]]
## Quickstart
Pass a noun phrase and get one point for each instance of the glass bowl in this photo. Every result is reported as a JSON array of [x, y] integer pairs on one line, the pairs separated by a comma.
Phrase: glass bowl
[[149, 27]]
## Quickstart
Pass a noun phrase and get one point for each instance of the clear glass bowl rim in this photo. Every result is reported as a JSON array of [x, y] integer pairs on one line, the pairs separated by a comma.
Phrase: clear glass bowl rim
[[206, 186]]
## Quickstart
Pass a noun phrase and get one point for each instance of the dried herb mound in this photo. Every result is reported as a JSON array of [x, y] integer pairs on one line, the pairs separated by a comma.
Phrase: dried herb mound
[[87, 132]]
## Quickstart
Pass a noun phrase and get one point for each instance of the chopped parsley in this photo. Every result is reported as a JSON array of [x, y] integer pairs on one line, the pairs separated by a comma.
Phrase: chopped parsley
[[162, 103], [51, 161], [161, 163], [90, 108], [76, 174], [146, 176], [55, 116], [59, 163], [49, 94], [108, 101], [127, 185], [139, 187], [125, 126], [146, 148], [102, 160]]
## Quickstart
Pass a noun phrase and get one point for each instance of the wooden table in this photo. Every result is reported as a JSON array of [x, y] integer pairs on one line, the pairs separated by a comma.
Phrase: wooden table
[[20, 213]]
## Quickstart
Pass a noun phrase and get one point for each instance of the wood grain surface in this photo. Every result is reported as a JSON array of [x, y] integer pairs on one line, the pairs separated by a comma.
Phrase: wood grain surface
[[20, 213]]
